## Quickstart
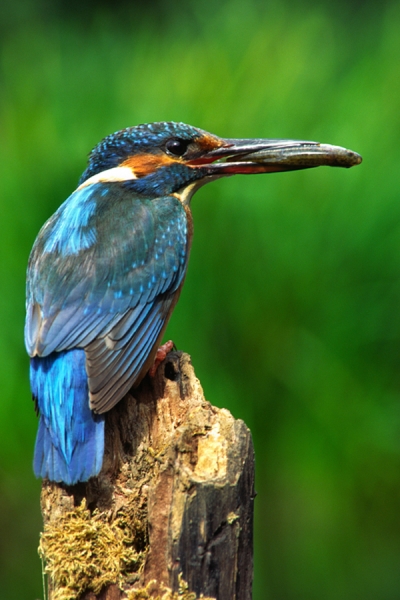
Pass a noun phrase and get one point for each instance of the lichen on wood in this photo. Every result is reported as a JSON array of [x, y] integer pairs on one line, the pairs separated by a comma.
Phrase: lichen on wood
[[183, 593]]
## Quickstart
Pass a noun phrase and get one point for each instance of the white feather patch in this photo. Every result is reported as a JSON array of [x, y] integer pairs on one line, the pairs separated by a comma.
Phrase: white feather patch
[[115, 174]]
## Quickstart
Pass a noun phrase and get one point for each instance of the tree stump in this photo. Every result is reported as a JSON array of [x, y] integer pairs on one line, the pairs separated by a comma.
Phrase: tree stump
[[170, 514]]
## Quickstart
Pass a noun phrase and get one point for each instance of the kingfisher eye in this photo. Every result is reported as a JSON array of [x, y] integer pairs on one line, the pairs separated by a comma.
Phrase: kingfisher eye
[[176, 147]]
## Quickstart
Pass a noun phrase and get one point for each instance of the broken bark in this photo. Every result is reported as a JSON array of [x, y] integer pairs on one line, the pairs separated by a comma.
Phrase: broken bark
[[171, 513]]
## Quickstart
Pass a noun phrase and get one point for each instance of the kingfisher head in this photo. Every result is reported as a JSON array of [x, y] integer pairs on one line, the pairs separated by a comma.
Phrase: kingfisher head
[[162, 158]]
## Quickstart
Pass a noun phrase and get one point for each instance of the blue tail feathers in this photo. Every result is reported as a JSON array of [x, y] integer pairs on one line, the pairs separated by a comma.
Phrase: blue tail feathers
[[70, 440]]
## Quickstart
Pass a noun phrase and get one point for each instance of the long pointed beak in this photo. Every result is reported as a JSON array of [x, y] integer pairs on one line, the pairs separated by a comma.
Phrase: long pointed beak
[[268, 156]]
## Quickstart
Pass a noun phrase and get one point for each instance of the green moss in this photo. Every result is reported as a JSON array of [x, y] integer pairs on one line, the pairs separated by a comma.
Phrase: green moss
[[84, 551]]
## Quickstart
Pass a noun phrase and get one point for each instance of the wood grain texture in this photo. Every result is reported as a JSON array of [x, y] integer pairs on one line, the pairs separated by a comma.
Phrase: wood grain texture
[[176, 490]]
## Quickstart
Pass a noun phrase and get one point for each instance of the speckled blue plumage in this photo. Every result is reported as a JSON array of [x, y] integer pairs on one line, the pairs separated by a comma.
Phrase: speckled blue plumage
[[125, 255]]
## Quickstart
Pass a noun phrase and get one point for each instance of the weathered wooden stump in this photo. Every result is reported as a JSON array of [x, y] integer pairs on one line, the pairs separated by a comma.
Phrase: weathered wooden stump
[[171, 513]]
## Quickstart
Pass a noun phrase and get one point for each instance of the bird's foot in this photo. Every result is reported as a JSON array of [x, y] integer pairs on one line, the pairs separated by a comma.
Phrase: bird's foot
[[160, 356]]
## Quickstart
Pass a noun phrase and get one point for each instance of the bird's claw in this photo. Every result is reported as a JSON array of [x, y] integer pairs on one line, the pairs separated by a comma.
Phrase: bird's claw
[[160, 356]]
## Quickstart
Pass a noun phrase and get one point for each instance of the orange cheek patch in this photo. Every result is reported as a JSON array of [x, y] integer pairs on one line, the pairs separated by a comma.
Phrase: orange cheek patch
[[144, 164]]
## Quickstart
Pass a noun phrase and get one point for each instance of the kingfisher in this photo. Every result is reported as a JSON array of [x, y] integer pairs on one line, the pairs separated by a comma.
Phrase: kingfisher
[[107, 269]]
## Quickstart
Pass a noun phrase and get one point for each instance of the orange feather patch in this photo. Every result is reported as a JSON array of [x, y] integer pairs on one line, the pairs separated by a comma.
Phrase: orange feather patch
[[144, 164]]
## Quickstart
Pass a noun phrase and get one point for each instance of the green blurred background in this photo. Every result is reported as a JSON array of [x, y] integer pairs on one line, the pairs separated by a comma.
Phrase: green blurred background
[[291, 305]]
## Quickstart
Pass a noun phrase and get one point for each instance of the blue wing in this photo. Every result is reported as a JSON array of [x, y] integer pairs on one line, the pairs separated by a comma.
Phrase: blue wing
[[104, 274]]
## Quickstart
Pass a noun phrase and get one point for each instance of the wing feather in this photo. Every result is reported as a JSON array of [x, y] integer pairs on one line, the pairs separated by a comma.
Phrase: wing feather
[[103, 360], [127, 369]]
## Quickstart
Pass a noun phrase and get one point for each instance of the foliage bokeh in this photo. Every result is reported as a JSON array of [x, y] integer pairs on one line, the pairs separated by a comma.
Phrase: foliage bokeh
[[291, 305]]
